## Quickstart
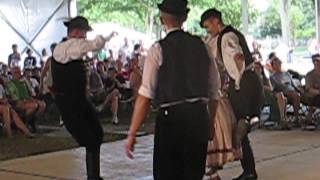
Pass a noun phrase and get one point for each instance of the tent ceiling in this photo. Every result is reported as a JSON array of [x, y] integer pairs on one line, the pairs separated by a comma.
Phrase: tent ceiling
[[31, 23]]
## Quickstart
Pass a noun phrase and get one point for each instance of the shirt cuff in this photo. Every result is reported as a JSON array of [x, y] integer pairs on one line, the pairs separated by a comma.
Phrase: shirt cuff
[[100, 41], [143, 91]]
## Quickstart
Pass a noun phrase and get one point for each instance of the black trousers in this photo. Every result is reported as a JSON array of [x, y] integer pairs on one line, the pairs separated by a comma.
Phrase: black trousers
[[180, 142], [80, 120], [247, 102]]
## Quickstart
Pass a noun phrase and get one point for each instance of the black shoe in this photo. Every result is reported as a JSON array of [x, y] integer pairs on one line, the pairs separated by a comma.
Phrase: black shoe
[[99, 178], [244, 176]]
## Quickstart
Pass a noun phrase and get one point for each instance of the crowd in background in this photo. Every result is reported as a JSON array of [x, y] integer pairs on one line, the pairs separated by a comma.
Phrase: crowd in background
[[114, 77], [26, 91], [285, 90]]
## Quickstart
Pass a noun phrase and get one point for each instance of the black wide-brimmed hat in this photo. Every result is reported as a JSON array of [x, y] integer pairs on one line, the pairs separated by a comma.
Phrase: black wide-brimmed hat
[[78, 22], [210, 13], [315, 57], [174, 7]]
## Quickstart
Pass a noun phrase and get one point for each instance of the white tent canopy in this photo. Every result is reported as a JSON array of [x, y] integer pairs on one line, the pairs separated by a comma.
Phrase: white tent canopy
[[32, 23]]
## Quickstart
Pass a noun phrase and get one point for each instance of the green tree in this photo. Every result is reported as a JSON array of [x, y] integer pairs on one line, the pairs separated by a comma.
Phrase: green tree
[[302, 21], [231, 12], [143, 15], [270, 23], [135, 14]]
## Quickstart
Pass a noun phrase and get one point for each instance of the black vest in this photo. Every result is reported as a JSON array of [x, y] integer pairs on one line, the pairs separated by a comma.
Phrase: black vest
[[184, 70], [242, 41], [70, 78]]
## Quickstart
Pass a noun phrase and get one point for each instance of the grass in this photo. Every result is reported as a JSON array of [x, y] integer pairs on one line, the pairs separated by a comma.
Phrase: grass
[[20, 146]]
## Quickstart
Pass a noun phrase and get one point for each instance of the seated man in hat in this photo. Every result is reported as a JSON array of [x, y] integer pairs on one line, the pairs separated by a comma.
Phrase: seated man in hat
[[69, 77]]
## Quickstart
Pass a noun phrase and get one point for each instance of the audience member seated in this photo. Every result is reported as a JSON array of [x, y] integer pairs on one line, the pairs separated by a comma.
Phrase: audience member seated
[[268, 62], [282, 82], [276, 100], [312, 91], [36, 73], [103, 94], [9, 116], [5, 73], [95, 83], [5, 118], [121, 75], [33, 84], [102, 70], [135, 77], [22, 100]]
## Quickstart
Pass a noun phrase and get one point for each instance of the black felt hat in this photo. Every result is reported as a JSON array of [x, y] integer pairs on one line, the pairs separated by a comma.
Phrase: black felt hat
[[210, 13], [315, 57], [174, 7], [78, 22]]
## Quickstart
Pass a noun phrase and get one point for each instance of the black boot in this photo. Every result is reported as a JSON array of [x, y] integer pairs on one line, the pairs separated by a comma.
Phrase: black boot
[[245, 176], [93, 163]]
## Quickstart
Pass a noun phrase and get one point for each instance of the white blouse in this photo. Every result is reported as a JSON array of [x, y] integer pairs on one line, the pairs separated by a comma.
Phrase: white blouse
[[230, 46]]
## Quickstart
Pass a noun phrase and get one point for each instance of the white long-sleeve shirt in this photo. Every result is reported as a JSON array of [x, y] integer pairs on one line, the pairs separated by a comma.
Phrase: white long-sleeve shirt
[[74, 48], [230, 46]]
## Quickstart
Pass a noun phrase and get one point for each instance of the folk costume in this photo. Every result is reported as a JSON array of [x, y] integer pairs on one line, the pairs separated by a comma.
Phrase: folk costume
[[69, 77], [245, 90]]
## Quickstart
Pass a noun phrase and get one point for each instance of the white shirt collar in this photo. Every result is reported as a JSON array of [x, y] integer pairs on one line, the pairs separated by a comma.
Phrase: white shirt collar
[[173, 29]]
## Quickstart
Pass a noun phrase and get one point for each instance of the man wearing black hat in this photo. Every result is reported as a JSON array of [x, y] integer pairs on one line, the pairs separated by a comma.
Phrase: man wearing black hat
[[234, 60], [69, 85], [180, 76]]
